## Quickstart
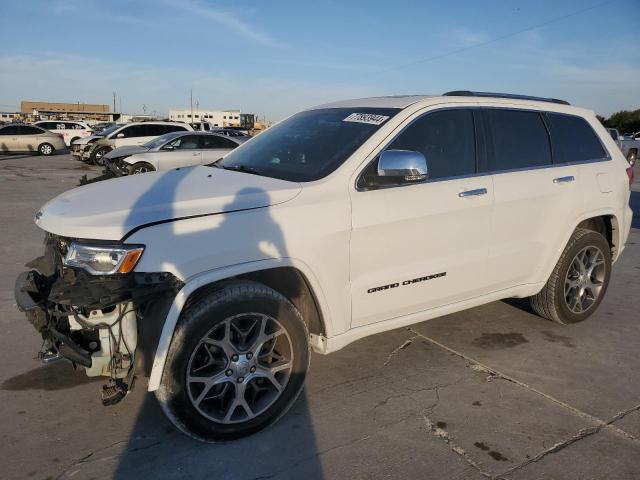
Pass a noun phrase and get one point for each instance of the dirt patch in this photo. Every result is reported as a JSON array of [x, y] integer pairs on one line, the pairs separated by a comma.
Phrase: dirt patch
[[499, 341]]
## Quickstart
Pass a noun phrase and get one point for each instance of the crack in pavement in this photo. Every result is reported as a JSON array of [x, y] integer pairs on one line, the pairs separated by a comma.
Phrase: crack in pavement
[[89, 457], [396, 350], [583, 433], [479, 366], [453, 446]]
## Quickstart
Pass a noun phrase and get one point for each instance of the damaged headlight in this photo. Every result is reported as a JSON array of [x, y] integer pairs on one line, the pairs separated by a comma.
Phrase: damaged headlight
[[103, 259]]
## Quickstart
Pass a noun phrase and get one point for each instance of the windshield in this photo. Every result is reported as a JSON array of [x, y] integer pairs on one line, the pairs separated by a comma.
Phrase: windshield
[[159, 141], [107, 131], [309, 145]]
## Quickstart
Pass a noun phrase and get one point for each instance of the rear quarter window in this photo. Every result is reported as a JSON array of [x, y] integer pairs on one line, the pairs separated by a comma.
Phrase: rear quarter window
[[573, 139]]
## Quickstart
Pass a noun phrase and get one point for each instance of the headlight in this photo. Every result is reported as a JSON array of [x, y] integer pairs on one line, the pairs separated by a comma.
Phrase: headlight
[[103, 259]]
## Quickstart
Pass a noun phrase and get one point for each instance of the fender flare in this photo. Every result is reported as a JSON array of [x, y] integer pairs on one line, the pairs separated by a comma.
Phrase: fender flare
[[206, 278], [616, 237]]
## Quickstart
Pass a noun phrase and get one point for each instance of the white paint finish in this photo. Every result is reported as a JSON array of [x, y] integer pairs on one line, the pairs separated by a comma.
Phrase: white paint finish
[[406, 233], [344, 241], [529, 220], [166, 160], [109, 210]]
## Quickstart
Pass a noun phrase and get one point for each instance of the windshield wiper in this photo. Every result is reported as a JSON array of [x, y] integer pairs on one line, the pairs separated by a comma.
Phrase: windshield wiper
[[239, 168]]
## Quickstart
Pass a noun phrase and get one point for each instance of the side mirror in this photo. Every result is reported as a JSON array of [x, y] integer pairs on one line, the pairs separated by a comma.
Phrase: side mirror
[[404, 166], [120, 135], [168, 147]]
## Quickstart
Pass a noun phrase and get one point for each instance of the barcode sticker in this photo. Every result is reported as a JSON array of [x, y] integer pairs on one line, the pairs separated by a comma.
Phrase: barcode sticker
[[370, 118]]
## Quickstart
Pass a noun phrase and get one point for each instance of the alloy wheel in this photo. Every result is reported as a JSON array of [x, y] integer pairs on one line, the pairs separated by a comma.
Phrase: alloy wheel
[[239, 368], [585, 279]]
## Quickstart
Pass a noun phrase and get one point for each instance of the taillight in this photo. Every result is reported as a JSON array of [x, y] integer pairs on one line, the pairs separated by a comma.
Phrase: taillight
[[630, 175]]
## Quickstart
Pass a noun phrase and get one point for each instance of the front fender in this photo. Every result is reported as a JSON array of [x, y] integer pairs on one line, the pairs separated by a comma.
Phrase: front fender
[[217, 275]]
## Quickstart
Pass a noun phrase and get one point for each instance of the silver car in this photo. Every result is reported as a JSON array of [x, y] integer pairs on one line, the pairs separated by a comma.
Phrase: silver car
[[17, 138], [172, 150]]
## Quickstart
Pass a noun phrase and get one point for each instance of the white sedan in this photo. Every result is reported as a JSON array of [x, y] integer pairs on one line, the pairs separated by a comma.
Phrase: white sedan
[[172, 150]]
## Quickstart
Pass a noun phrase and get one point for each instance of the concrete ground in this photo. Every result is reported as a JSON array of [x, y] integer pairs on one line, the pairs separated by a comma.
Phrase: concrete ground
[[492, 392]]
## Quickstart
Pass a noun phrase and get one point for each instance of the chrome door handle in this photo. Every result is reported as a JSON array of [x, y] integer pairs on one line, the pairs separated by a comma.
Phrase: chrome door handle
[[195, 153], [473, 193], [567, 179]]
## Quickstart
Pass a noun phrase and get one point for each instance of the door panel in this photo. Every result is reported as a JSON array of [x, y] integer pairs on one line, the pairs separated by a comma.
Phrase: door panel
[[213, 154], [530, 218], [418, 247], [535, 199], [178, 158]]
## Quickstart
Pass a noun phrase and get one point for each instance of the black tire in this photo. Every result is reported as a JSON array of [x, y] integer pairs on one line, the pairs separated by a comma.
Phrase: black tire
[[551, 302], [231, 300], [46, 149], [97, 154], [73, 140], [142, 167]]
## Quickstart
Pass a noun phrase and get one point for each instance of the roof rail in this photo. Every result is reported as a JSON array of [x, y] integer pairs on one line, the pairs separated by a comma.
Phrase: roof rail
[[468, 93]]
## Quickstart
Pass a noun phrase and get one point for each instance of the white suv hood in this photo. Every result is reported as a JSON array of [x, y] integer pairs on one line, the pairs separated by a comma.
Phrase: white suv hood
[[108, 210]]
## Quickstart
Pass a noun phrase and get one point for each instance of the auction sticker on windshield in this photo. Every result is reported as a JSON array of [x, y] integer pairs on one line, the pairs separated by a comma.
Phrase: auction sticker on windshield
[[370, 118]]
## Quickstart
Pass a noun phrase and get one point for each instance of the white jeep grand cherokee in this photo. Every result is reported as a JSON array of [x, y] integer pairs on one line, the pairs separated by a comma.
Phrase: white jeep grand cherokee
[[341, 221]]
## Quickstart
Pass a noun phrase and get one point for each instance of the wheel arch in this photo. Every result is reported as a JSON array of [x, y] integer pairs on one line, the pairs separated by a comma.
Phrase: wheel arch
[[291, 278]]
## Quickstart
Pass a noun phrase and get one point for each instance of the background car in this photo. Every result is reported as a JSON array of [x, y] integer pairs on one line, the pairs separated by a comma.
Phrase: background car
[[70, 130], [178, 149], [28, 138], [137, 133]]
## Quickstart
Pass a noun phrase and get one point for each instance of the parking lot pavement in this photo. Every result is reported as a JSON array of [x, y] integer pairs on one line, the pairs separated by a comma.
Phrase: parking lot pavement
[[490, 392]]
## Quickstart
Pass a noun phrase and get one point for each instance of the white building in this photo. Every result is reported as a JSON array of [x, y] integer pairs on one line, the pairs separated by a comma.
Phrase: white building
[[8, 116], [218, 118]]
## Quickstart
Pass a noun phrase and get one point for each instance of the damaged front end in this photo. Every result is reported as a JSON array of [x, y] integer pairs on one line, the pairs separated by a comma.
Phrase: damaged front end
[[107, 323]]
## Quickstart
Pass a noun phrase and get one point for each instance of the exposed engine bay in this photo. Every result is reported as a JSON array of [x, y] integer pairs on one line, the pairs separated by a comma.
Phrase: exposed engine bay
[[94, 321]]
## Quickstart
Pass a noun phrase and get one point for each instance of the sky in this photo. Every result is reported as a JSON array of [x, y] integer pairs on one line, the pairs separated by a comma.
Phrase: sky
[[276, 57]]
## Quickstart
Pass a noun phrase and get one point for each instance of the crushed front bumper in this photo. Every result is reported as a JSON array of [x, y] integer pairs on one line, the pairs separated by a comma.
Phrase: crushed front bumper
[[67, 306]]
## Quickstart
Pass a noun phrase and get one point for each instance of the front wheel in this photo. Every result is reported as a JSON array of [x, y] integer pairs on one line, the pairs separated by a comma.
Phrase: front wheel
[[142, 167], [96, 156], [236, 364], [579, 281]]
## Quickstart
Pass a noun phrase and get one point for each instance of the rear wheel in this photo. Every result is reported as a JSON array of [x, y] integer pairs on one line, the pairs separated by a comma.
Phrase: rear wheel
[[579, 281], [236, 364], [46, 149]]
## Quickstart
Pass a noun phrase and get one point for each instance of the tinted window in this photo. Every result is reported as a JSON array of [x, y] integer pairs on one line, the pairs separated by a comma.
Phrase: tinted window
[[213, 141], [11, 130], [310, 144], [573, 139], [28, 130], [519, 140], [74, 126], [185, 142], [47, 125], [446, 139], [133, 131]]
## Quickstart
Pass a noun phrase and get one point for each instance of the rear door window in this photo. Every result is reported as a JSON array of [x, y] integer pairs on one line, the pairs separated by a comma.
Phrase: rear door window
[[214, 141], [517, 139], [573, 139]]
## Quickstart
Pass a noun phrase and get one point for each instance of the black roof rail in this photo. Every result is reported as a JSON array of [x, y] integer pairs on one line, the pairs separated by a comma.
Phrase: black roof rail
[[468, 93]]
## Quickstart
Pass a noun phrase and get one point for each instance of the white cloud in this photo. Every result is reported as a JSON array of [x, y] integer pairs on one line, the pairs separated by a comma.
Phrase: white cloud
[[195, 8], [70, 78]]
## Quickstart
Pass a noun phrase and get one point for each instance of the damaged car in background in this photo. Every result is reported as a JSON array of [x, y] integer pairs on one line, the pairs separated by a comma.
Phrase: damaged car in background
[[342, 221], [172, 150]]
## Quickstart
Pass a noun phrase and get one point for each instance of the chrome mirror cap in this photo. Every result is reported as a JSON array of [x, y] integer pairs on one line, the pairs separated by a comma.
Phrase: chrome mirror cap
[[409, 165]]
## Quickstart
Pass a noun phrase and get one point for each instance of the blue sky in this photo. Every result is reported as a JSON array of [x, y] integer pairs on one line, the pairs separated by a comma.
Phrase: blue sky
[[274, 58]]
